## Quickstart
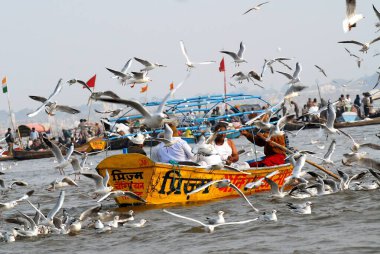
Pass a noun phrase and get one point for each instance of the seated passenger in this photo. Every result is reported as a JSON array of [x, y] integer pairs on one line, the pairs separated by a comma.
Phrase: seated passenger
[[178, 151], [225, 147], [136, 144], [273, 155]]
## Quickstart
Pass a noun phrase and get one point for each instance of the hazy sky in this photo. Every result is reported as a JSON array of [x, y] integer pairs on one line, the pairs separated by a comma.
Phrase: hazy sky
[[42, 41]]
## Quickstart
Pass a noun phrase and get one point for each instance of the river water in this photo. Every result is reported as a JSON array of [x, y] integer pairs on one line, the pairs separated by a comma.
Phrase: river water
[[347, 222]]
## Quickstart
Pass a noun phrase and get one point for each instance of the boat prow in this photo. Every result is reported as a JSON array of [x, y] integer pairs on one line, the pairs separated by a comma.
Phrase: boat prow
[[164, 183]]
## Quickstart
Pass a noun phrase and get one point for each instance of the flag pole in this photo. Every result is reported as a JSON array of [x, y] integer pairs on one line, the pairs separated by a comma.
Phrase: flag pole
[[89, 107], [13, 124], [225, 88]]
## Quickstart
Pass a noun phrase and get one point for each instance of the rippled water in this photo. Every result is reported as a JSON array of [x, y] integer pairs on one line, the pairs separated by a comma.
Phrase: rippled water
[[347, 222]]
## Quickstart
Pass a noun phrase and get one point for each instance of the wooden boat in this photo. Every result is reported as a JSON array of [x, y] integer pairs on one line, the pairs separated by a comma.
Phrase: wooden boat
[[31, 154], [94, 145], [163, 183]]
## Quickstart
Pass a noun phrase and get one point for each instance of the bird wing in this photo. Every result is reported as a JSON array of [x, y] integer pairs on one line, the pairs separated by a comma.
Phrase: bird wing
[[254, 75], [233, 186], [2, 183], [97, 178], [349, 52], [69, 152], [26, 196], [287, 66], [350, 7], [376, 12], [138, 75], [262, 4], [371, 145], [131, 103], [67, 109], [90, 211], [55, 150], [103, 112], [298, 70], [18, 183], [248, 10], [186, 218], [85, 85], [236, 222], [106, 178], [184, 51], [264, 68], [321, 70], [70, 181], [207, 62], [353, 42], [286, 74], [375, 174], [126, 66], [117, 73], [374, 40], [30, 220], [105, 196], [284, 120], [232, 54], [133, 195], [37, 98], [75, 164], [111, 94], [143, 62], [273, 186], [202, 187], [57, 206], [241, 50], [56, 91], [330, 150]]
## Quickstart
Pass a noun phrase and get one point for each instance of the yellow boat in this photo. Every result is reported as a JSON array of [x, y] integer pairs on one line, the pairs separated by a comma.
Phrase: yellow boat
[[94, 145], [164, 183]]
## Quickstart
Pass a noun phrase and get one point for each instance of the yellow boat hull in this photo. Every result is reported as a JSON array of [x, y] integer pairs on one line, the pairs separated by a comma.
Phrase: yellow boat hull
[[163, 183]]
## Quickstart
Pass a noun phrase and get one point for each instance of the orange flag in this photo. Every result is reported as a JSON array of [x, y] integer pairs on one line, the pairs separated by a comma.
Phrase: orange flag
[[144, 89], [171, 87]]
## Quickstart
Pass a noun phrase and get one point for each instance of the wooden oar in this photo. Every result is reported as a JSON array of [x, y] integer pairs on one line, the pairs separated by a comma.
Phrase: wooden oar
[[308, 161]]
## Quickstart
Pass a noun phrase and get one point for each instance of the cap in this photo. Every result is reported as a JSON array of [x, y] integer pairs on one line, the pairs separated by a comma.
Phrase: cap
[[138, 139]]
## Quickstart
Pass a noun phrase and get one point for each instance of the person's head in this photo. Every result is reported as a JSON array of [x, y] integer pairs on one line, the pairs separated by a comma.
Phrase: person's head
[[174, 129], [315, 100], [291, 102], [138, 140], [342, 96], [309, 99], [33, 129], [347, 96], [221, 126], [9, 129], [305, 106], [217, 108], [357, 96]]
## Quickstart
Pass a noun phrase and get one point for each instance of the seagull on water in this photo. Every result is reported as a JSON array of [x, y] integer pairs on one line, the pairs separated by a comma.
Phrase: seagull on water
[[365, 46], [139, 224], [304, 208], [238, 58], [56, 91], [209, 228], [148, 65], [218, 220], [120, 193], [256, 8], [188, 63], [351, 17], [11, 204], [152, 120], [122, 75], [272, 216], [345, 179]]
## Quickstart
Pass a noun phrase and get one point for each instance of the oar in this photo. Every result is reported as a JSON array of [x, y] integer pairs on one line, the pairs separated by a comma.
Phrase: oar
[[308, 161]]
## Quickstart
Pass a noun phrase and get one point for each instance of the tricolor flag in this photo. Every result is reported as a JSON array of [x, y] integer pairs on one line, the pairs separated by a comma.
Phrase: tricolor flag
[[171, 86], [91, 82], [144, 89], [4, 83], [221, 66]]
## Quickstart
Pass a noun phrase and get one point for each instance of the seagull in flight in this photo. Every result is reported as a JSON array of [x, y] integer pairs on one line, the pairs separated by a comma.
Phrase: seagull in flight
[[120, 193], [238, 58], [321, 70], [63, 162], [365, 46], [295, 78], [11, 204], [378, 17], [81, 82], [378, 80], [52, 107], [256, 8], [148, 65], [188, 63], [122, 75], [152, 120], [56, 91], [269, 63], [138, 78], [351, 17]]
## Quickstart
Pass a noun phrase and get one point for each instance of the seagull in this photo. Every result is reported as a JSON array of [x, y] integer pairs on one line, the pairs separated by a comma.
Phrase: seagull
[[63, 162], [238, 58], [359, 60], [148, 65], [188, 63], [297, 169], [138, 78], [151, 120], [12, 183], [345, 179], [240, 76], [56, 91], [122, 75], [276, 130], [269, 63], [11, 204], [295, 78], [351, 17], [100, 183], [218, 220], [29, 232], [258, 183], [66, 181], [96, 95], [256, 8], [378, 17], [139, 224], [276, 191], [365, 46], [320, 186], [378, 80], [168, 137], [268, 216], [112, 113], [120, 193], [361, 160], [321, 70], [209, 228], [81, 82], [300, 208], [52, 107], [222, 184], [78, 168]]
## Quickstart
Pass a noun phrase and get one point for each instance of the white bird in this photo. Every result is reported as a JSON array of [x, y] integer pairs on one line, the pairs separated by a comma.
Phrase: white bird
[[300, 208], [269, 63], [256, 8], [327, 157], [28, 232], [345, 179], [295, 78], [152, 120], [64, 182], [78, 168], [218, 220], [122, 75], [101, 187], [188, 63], [241, 76], [148, 65], [56, 91], [52, 107], [63, 162], [351, 17], [12, 183], [209, 228], [139, 224], [321, 70], [101, 228], [222, 184], [120, 193], [258, 183], [168, 137], [272, 216], [365, 46], [275, 190], [139, 78], [277, 129], [112, 113], [378, 16], [11, 204], [297, 169], [238, 58], [8, 237]]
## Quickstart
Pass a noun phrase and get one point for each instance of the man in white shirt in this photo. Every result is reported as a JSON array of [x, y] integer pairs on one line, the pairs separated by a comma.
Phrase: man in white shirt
[[33, 134]]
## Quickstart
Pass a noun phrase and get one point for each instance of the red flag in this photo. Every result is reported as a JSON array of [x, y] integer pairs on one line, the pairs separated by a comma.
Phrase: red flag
[[91, 81], [171, 87], [221, 66], [144, 89]]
